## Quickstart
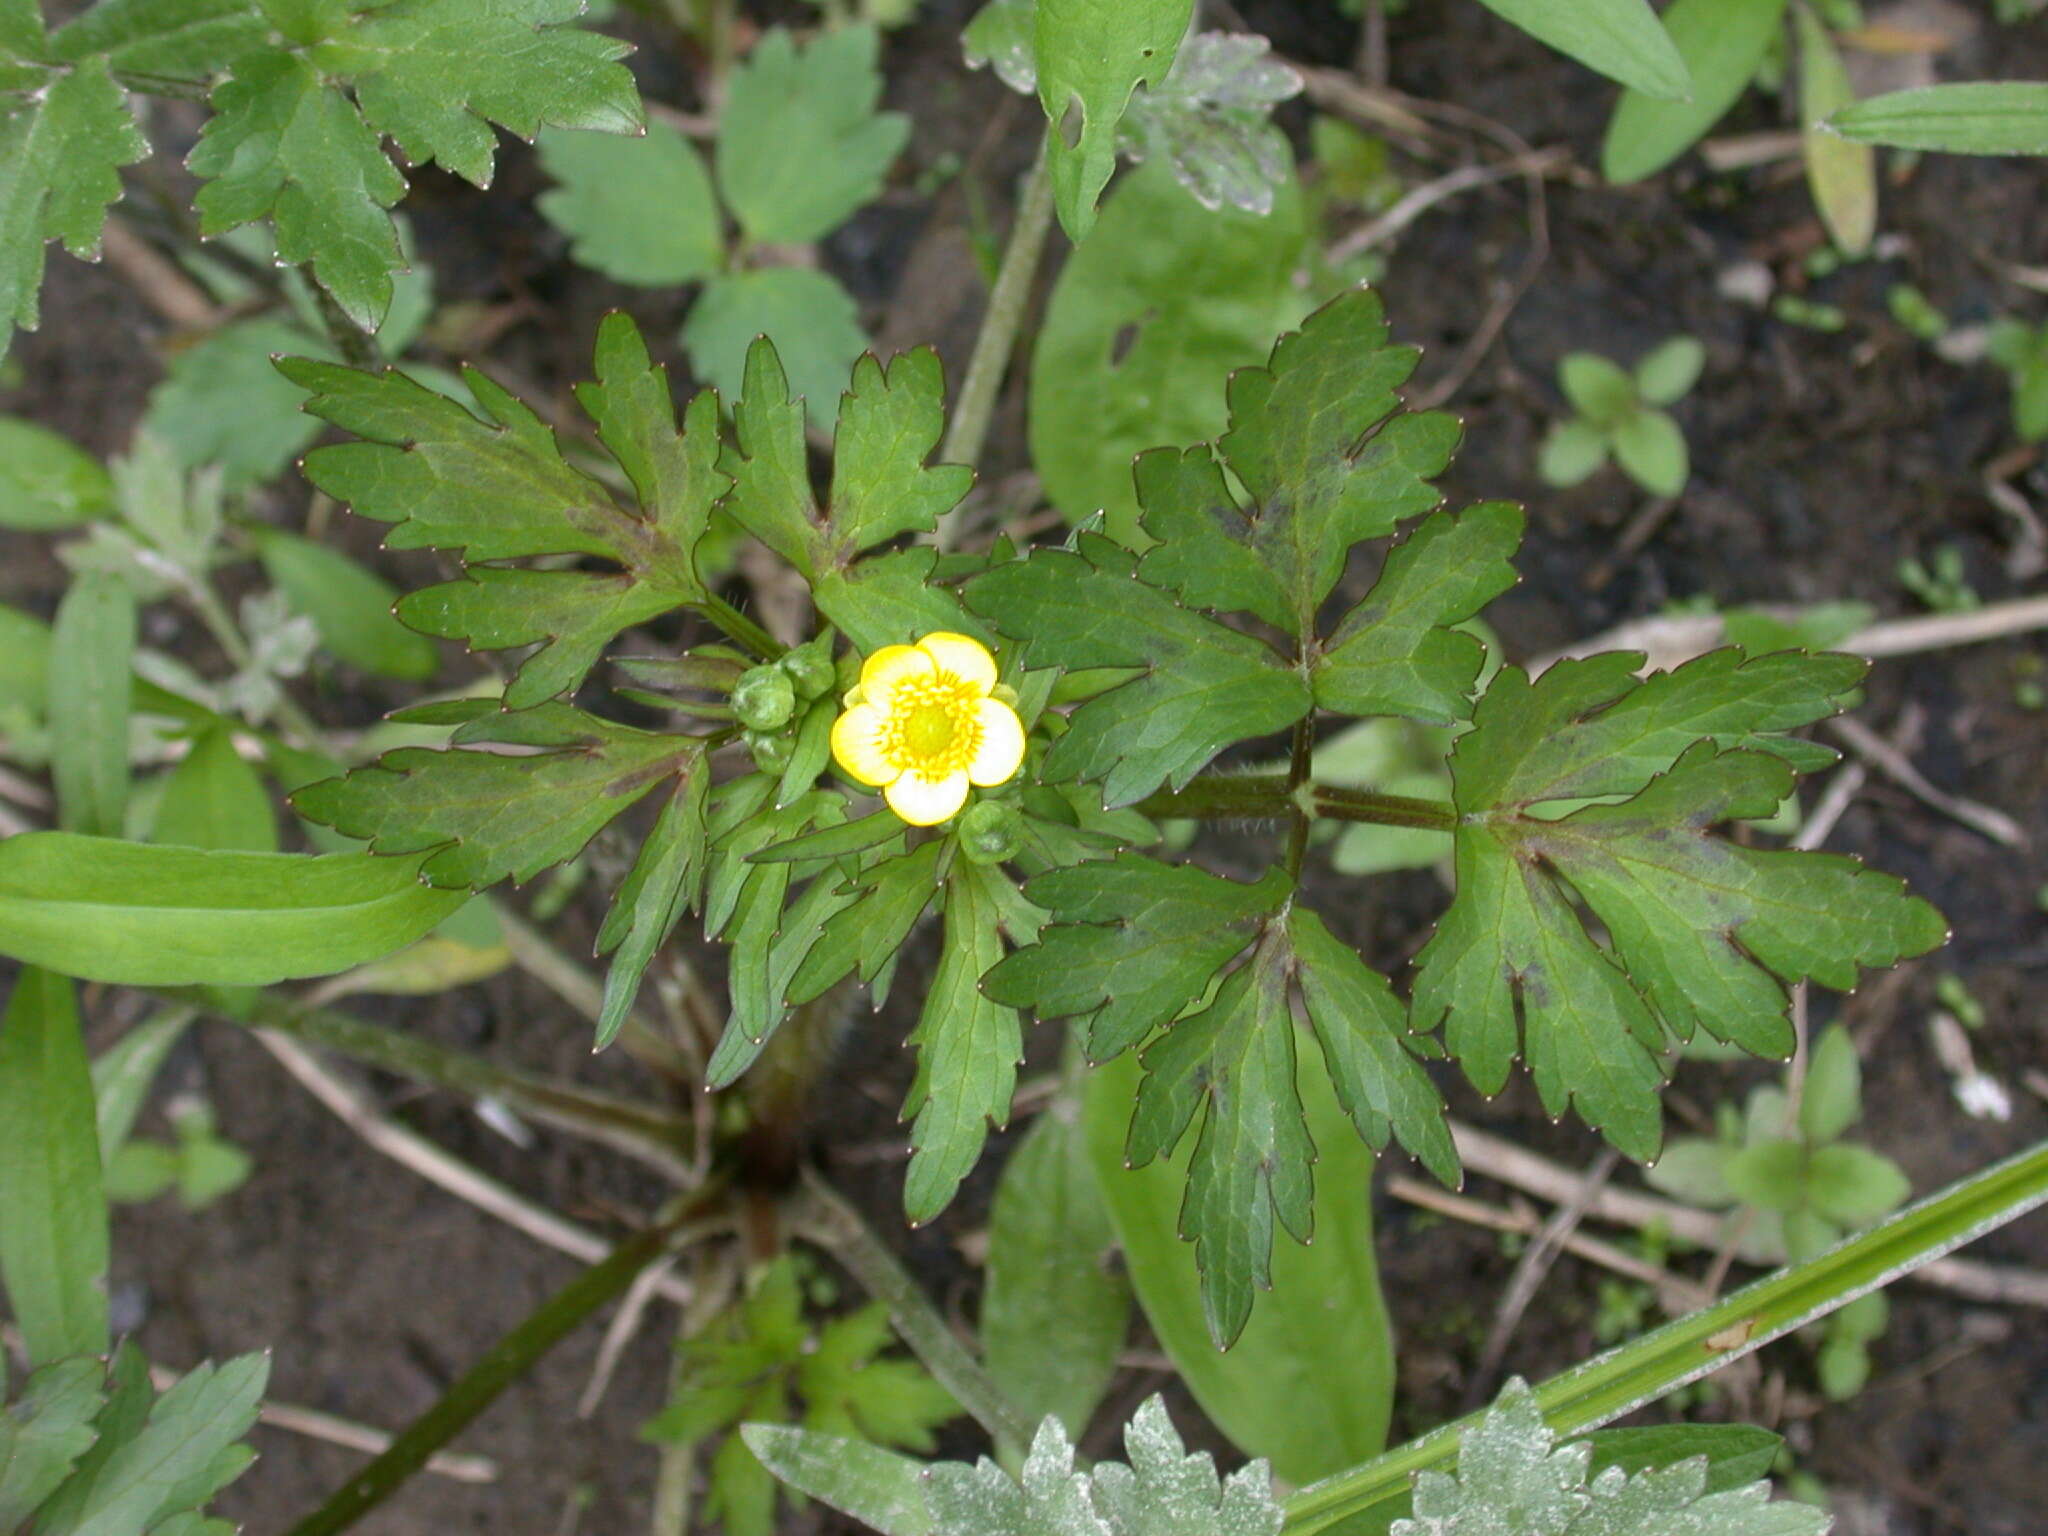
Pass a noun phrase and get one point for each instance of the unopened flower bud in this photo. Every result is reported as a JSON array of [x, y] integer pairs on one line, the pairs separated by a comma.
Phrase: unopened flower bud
[[811, 671], [764, 699], [990, 832], [772, 750]]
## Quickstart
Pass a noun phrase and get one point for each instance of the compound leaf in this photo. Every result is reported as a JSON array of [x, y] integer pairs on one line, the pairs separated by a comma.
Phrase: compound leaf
[[638, 210], [666, 878], [60, 150], [183, 39], [1211, 119], [800, 144], [1091, 54], [807, 313], [1203, 687], [484, 816], [44, 1433], [1396, 652]]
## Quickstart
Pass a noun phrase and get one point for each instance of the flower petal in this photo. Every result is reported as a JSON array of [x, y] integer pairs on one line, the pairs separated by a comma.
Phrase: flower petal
[[1000, 750], [926, 802], [892, 664], [857, 744], [967, 659]]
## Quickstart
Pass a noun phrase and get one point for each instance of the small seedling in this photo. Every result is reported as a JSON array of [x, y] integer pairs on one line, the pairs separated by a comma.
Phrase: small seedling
[[1941, 582], [2022, 351], [1622, 414]]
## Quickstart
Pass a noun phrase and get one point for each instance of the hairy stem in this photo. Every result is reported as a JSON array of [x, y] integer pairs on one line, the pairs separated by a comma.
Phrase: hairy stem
[[1300, 815], [1271, 797], [838, 1228], [480, 1386], [967, 433], [651, 1135], [740, 627]]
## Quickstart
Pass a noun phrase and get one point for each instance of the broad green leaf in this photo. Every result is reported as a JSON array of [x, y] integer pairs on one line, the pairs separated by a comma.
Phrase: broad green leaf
[[886, 600], [350, 605], [436, 75], [639, 210], [1310, 1382], [879, 1488], [1622, 39], [484, 816], [47, 481], [1316, 441], [1831, 1099], [1211, 119], [21, 30], [1669, 370], [883, 484], [53, 1215], [61, 148], [180, 1457], [43, 1433], [1722, 43], [1054, 1312], [666, 878], [1598, 390], [1700, 932], [1737, 1454], [1972, 118], [1841, 172], [1203, 687], [92, 646], [1693, 1170], [1091, 54], [285, 145], [1145, 324], [222, 401], [1854, 1186], [810, 318], [1396, 653], [1513, 1476], [122, 1073], [140, 915], [181, 39], [1650, 447], [1769, 1175], [1004, 33], [968, 1049], [215, 799], [800, 144], [1573, 451], [1133, 943]]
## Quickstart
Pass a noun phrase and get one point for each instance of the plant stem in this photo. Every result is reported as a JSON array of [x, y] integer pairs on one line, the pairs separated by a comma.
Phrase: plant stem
[[1270, 797], [644, 1132], [837, 1227], [740, 627], [1297, 776], [480, 1386], [1660, 1362], [967, 433], [357, 348]]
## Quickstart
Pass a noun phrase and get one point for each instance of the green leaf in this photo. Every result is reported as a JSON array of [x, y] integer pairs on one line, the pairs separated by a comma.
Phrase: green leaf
[[1395, 652], [1695, 1171], [1622, 39], [182, 39], [810, 318], [1972, 118], [92, 646], [53, 1215], [62, 145], [639, 210], [1700, 931], [47, 481], [666, 877], [1133, 944], [1202, 689], [1211, 119], [349, 605], [223, 402], [1651, 448], [123, 1072], [1091, 54], [1145, 324], [1512, 1475], [283, 144], [1316, 441], [1598, 390], [968, 1048], [1573, 451], [863, 937], [883, 485], [485, 816], [1769, 1175], [1054, 1312], [215, 799], [1310, 1382], [139, 915], [1004, 33], [43, 1434], [1723, 42], [1853, 1185], [1841, 172], [1832, 1099], [1668, 372], [878, 1488], [139, 1171], [1737, 1454], [800, 144], [438, 74]]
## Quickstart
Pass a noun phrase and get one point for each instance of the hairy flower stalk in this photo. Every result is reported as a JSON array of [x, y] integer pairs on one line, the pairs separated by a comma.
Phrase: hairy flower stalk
[[925, 723]]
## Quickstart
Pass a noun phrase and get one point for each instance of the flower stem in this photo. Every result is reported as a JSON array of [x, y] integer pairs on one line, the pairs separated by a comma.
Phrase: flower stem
[[1269, 797], [740, 627]]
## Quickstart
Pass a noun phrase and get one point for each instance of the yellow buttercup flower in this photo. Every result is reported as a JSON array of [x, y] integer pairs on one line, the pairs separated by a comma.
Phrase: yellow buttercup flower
[[924, 724]]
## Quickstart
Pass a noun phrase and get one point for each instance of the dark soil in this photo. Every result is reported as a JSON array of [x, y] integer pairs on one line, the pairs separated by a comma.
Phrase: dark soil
[[1821, 460]]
